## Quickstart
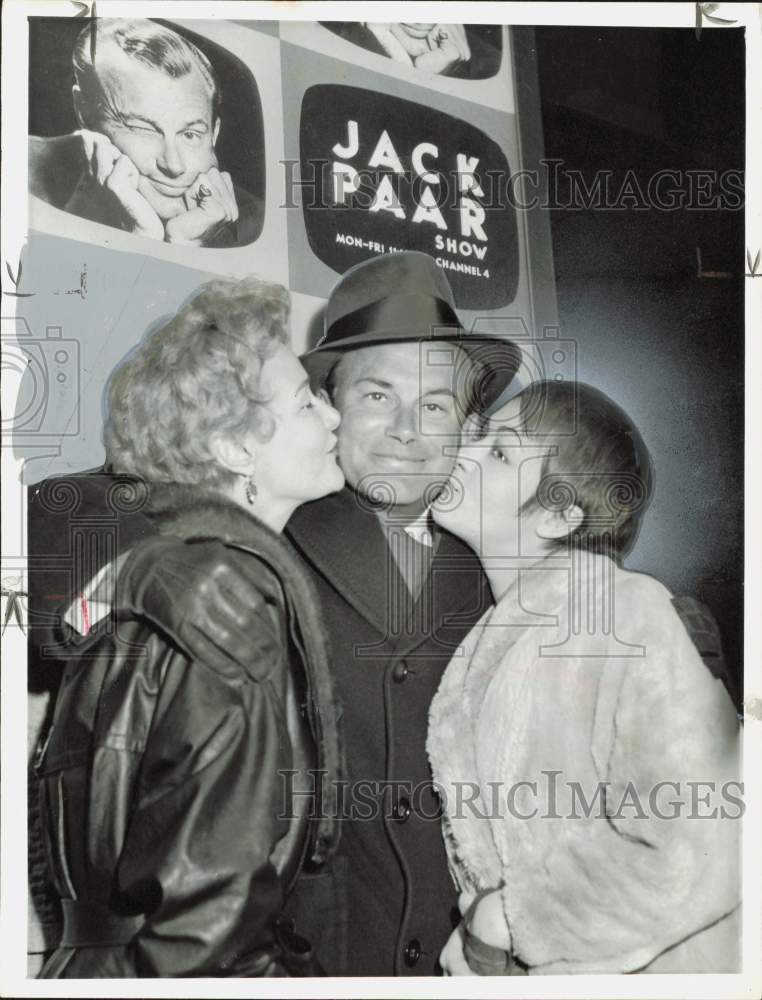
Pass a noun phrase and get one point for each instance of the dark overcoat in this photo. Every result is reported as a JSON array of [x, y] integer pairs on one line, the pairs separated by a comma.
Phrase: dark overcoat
[[384, 906]]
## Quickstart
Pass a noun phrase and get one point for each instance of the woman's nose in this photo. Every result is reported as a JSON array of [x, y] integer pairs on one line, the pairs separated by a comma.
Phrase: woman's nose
[[331, 416], [466, 459]]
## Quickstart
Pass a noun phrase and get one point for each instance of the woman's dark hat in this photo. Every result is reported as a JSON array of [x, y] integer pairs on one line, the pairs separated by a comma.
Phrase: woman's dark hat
[[406, 297]]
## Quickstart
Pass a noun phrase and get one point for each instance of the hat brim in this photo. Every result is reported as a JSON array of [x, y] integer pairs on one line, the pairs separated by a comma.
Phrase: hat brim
[[500, 359]]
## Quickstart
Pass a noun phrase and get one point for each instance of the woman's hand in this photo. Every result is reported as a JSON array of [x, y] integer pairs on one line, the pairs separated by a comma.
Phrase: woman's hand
[[452, 958], [485, 921], [488, 922]]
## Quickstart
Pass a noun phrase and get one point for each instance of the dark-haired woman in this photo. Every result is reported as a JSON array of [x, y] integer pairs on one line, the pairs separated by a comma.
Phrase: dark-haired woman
[[605, 835]]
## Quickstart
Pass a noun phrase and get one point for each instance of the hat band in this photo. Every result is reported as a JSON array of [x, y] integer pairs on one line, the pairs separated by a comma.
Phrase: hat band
[[403, 314]]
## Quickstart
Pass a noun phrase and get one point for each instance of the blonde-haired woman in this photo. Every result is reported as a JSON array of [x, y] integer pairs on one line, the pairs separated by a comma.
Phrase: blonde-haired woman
[[168, 778]]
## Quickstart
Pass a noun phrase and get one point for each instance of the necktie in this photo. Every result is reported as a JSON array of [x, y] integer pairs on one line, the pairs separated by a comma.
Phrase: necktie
[[413, 559]]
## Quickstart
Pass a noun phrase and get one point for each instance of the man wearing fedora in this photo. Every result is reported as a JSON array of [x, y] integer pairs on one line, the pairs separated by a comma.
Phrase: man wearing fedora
[[398, 597]]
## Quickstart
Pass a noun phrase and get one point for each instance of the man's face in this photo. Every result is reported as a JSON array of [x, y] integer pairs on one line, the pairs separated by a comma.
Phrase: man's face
[[164, 125], [400, 420]]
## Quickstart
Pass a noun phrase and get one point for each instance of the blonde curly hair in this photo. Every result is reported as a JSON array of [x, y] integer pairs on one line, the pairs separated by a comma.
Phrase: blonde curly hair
[[198, 375]]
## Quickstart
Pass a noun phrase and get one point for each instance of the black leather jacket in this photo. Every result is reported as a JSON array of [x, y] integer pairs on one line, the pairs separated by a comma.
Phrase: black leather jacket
[[166, 785]]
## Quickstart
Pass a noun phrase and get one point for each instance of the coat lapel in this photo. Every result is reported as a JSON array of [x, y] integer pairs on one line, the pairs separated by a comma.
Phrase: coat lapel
[[343, 540], [455, 594]]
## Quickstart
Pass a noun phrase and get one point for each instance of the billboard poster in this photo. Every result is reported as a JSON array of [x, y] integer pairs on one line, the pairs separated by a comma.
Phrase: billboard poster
[[579, 192], [371, 157]]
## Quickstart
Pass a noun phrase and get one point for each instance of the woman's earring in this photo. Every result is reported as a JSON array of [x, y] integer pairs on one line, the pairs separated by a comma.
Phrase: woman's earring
[[251, 491]]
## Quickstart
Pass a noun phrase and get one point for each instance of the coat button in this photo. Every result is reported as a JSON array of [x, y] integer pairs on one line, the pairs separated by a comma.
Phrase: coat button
[[402, 809], [412, 952], [400, 672]]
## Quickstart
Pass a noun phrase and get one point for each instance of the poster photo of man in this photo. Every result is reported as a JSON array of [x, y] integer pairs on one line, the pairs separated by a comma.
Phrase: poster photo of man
[[469, 52], [144, 153]]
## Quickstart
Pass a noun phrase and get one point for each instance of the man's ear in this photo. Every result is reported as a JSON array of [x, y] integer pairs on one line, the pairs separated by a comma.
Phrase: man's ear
[[216, 130], [234, 455], [553, 524], [79, 105]]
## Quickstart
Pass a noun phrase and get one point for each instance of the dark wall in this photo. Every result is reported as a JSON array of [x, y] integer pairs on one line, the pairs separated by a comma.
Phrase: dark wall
[[661, 338]]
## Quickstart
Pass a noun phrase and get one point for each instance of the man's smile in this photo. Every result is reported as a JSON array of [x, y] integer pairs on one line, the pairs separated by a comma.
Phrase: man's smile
[[397, 461], [167, 189]]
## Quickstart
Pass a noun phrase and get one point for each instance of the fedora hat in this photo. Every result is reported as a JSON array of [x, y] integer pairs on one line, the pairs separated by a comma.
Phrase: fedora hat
[[403, 297]]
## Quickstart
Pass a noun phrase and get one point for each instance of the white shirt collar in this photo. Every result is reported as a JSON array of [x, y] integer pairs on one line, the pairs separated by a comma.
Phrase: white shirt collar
[[421, 529]]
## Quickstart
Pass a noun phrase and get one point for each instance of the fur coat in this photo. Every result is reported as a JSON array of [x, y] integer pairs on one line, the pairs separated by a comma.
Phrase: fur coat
[[591, 774]]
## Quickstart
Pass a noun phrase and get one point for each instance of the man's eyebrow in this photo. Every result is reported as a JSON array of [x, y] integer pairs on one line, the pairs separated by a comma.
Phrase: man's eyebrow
[[196, 121], [302, 385], [373, 381], [129, 116], [388, 386]]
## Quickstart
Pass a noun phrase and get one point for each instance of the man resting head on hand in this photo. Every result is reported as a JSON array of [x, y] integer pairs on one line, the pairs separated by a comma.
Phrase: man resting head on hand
[[148, 105]]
